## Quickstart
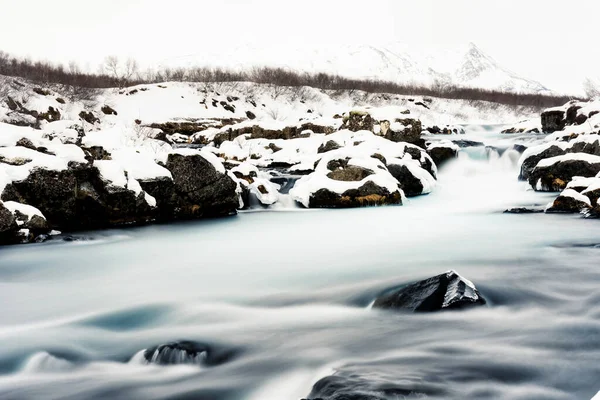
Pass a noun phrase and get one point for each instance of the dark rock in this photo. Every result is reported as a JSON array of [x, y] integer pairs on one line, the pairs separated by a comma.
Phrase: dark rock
[[77, 198], [553, 121], [369, 194], [188, 352], [41, 92], [571, 117], [519, 148], [555, 177], [250, 115], [568, 202], [523, 210], [274, 147], [530, 162], [423, 158], [442, 292], [96, 153], [108, 110], [60, 100], [441, 154], [41, 238], [434, 129], [51, 115], [353, 387], [410, 134], [410, 184], [462, 143], [197, 190], [24, 142], [328, 146], [586, 147], [7, 220]]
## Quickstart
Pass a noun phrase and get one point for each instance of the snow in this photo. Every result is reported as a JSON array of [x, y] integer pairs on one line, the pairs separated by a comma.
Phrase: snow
[[112, 171], [575, 195], [546, 162], [307, 185], [25, 209], [452, 293]]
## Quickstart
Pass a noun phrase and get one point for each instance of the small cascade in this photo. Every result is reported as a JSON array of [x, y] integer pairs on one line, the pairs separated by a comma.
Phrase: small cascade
[[46, 362]]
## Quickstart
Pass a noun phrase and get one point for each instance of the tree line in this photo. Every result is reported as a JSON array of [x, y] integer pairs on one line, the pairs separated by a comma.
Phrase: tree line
[[118, 73]]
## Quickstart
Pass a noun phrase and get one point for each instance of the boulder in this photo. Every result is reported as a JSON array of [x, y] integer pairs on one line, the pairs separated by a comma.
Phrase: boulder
[[553, 120], [442, 153], [405, 130], [77, 198], [553, 174], [352, 386], [410, 182], [189, 352], [197, 189], [570, 201], [530, 161], [442, 292]]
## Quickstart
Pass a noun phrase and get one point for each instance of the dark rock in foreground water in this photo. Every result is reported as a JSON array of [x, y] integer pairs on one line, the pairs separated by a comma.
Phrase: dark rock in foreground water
[[523, 210], [188, 352], [445, 291]]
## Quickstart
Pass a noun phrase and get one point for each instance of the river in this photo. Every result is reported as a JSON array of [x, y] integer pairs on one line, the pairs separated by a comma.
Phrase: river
[[285, 294]]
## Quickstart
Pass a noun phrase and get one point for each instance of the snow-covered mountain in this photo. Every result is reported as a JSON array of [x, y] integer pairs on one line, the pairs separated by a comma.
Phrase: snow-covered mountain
[[468, 66]]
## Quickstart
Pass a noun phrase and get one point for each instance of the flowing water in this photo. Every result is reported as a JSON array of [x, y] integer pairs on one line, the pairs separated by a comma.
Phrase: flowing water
[[281, 300]]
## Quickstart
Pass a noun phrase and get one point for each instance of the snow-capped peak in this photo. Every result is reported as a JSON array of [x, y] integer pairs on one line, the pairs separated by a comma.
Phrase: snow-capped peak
[[396, 62]]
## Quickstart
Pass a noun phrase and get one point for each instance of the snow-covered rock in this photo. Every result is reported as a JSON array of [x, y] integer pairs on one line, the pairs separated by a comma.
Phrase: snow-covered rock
[[440, 152], [441, 292], [569, 201], [554, 173], [346, 178]]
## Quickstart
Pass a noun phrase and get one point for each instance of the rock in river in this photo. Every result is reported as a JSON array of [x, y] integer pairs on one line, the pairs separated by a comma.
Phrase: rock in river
[[445, 291]]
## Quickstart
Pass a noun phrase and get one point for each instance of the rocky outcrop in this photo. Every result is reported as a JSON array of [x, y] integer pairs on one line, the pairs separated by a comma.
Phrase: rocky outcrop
[[77, 198], [442, 292], [197, 190], [553, 174], [529, 163], [440, 154], [553, 120]]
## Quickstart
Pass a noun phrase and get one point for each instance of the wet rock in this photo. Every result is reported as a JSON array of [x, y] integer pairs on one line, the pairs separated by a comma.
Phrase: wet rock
[[523, 210], [519, 148], [189, 352], [530, 162], [555, 173], [442, 292], [440, 154], [462, 143], [570, 201], [197, 190], [409, 183]]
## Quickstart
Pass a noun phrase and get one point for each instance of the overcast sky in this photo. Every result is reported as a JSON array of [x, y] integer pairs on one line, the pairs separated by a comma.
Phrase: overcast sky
[[555, 42]]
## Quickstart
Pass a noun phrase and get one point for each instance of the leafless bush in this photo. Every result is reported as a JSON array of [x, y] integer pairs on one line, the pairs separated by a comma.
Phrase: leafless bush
[[115, 73]]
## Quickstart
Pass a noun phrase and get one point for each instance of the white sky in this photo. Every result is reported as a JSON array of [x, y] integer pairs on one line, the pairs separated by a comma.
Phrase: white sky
[[553, 41]]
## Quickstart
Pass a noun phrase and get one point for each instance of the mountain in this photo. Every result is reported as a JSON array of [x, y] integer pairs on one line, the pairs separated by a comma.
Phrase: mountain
[[468, 66]]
